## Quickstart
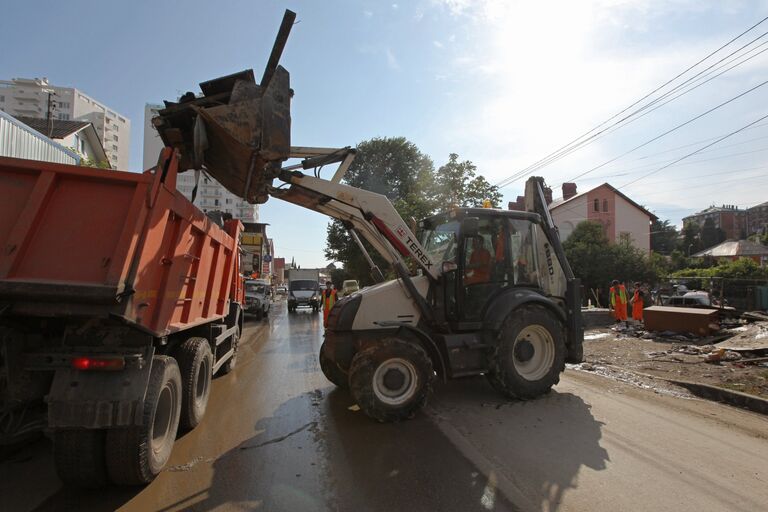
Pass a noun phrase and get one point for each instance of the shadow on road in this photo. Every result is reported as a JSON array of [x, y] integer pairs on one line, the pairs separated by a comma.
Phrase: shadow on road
[[539, 447]]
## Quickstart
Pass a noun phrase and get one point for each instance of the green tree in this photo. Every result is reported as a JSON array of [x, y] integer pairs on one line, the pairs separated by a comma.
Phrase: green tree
[[395, 168], [457, 183], [663, 237], [597, 261], [691, 239], [710, 235], [89, 162]]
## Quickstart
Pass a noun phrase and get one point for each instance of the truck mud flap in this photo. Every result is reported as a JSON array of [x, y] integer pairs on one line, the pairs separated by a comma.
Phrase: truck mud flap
[[98, 399]]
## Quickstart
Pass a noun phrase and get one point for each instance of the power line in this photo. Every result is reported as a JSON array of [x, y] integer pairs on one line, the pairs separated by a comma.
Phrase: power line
[[674, 129], [696, 151], [576, 143]]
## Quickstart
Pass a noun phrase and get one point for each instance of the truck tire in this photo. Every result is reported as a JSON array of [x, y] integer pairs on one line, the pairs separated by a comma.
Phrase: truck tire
[[391, 380], [232, 361], [529, 353], [196, 364], [331, 370], [79, 457], [136, 455]]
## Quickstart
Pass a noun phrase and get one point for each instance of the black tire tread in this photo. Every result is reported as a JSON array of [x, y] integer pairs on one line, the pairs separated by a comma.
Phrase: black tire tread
[[331, 370], [189, 356], [127, 448], [79, 457], [523, 390], [363, 393]]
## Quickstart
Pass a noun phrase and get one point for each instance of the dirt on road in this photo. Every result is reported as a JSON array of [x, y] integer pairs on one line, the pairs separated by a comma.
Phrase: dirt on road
[[708, 361]]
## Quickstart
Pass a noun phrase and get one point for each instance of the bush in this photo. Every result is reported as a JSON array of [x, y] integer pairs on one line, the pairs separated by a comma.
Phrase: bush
[[743, 268]]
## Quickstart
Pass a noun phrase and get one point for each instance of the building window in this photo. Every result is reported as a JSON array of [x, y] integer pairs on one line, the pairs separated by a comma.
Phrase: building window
[[597, 205], [229, 201], [216, 202], [114, 147], [121, 119], [115, 137], [605, 205]]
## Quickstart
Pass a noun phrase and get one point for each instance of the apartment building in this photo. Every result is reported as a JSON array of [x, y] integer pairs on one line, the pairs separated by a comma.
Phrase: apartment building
[[211, 195], [757, 219], [730, 218], [36, 97]]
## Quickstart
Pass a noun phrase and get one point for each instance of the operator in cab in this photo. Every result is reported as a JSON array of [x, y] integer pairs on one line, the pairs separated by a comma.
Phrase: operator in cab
[[479, 266]]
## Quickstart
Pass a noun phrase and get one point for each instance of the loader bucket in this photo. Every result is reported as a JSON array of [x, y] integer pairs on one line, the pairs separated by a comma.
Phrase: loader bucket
[[238, 131]]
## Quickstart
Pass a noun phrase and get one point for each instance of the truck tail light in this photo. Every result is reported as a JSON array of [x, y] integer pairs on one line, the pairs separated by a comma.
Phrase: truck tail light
[[98, 363]]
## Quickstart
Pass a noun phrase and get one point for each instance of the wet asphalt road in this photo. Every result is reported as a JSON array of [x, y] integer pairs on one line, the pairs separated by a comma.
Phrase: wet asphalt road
[[278, 436]]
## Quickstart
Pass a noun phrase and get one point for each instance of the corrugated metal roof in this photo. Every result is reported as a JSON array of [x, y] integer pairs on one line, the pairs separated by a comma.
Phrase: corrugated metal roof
[[18, 140], [734, 248]]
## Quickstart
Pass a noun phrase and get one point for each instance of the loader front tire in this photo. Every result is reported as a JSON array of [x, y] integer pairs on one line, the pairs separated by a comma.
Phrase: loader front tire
[[529, 353], [136, 455], [391, 379]]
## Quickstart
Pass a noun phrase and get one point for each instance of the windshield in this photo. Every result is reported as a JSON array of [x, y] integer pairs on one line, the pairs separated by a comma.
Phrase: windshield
[[441, 241], [303, 285], [254, 288]]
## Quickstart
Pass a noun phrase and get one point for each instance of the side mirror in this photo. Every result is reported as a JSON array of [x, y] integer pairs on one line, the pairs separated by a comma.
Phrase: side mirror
[[448, 266], [469, 227]]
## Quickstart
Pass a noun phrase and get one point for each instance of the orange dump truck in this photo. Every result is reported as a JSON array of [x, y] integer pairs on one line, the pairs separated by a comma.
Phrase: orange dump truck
[[119, 300]]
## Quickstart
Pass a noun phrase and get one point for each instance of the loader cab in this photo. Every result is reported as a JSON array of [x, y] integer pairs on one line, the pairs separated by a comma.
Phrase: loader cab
[[484, 253]]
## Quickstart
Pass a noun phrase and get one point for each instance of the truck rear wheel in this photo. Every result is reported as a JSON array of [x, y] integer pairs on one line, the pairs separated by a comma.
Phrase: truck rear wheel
[[79, 457], [391, 380], [136, 455], [232, 361], [331, 370], [196, 364], [529, 354]]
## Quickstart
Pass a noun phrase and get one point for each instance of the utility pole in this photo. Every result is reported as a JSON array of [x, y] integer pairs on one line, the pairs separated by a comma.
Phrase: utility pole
[[51, 107]]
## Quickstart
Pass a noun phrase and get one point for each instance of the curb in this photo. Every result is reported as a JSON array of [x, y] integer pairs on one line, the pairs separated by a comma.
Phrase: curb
[[730, 397], [713, 393]]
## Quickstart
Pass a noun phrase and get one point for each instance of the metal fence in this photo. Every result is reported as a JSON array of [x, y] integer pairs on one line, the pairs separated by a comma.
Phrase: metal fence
[[742, 294]]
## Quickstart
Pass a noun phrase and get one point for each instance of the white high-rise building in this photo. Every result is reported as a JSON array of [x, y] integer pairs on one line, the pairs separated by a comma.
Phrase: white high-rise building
[[211, 195], [34, 97]]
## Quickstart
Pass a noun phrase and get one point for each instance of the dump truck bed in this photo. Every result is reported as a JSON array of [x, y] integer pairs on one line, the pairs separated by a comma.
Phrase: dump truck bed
[[102, 243]]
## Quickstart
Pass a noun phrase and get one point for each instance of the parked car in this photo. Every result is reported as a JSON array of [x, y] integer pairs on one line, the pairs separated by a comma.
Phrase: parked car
[[257, 299], [281, 290], [349, 287]]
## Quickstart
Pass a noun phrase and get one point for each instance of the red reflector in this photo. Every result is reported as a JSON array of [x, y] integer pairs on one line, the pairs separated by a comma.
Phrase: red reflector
[[97, 363]]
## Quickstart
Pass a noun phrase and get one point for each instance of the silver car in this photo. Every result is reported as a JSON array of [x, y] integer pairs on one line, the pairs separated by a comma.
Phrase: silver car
[[257, 299]]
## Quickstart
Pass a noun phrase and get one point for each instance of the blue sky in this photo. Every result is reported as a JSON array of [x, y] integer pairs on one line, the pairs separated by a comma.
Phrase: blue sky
[[502, 83]]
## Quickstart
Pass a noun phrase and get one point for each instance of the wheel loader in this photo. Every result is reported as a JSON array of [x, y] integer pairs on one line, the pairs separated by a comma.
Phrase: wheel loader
[[492, 295]]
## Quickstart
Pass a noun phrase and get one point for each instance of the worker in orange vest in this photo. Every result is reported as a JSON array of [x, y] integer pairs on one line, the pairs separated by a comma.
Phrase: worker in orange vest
[[618, 301], [637, 303], [329, 299]]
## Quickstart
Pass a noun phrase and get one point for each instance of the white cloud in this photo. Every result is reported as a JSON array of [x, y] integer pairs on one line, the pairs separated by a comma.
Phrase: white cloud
[[391, 60], [437, 44], [538, 75], [395, 6], [368, 14]]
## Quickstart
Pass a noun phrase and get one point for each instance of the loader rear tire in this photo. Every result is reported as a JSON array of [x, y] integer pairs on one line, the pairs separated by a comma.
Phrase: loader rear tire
[[136, 455], [391, 380], [529, 353], [79, 457], [331, 370], [196, 364]]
